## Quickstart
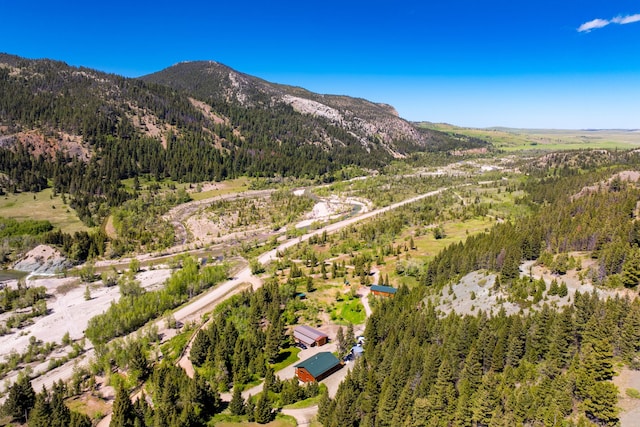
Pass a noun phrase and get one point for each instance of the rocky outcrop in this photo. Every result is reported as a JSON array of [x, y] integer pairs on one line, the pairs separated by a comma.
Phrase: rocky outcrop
[[42, 259]]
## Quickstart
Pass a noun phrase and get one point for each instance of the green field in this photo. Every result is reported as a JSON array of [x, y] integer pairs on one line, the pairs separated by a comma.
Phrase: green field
[[231, 186], [547, 139], [286, 357], [41, 206], [350, 312], [223, 420]]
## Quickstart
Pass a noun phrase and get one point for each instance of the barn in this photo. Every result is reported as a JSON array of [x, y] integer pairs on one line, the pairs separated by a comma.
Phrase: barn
[[309, 336], [386, 291], [318, 367]]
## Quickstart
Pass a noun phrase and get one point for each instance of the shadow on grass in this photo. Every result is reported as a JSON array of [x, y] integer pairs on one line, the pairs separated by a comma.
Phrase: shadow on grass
[[282, 356]]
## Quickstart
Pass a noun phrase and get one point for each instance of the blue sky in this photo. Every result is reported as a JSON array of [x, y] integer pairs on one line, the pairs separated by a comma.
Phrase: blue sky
[[544, 64]]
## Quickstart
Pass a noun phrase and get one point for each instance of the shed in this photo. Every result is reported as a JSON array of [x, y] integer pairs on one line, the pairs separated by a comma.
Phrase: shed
[[318, 367], [309, 336], [386, 291]]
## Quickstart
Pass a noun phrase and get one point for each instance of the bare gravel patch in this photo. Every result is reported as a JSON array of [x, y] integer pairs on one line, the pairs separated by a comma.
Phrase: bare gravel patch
[[630, 408]]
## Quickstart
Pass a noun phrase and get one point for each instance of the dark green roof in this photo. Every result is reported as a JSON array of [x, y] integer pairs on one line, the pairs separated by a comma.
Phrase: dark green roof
[[385, 289], [319, 364]]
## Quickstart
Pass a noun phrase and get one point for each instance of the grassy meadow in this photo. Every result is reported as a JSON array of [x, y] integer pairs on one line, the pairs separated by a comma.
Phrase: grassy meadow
[[41, 206], [508, 139]]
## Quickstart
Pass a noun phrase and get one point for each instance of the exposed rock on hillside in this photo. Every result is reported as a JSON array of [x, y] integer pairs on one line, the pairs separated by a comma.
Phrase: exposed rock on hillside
[[42, 259], [372, 125]]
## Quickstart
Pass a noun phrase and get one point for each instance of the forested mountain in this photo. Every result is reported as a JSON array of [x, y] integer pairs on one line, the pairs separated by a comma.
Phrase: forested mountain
[[361, 122], [84, 131]]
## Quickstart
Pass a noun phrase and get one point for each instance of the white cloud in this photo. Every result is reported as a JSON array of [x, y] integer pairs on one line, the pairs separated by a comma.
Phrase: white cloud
[[592, 25], [600, 23], [629, 19]]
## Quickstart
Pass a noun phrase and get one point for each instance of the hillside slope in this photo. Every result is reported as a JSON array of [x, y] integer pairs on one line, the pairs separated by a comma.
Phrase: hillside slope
[[367, 122]]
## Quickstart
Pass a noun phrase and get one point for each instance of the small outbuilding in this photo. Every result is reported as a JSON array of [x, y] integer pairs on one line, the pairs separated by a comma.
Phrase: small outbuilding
[[318, 367], [386, 291], [309, 336]]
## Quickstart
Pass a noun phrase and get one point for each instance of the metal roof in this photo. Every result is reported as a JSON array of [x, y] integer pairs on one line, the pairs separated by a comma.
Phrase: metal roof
[[303, 338], [385, 289], [308, 331], [319, 364]]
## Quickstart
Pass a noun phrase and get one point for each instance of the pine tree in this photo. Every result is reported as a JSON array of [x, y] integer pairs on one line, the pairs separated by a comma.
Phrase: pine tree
[[143, 412], [402, 413], [81, 420], [221, 369], [205, 400], [275, 336], [389, 394], [291, 391], [21, 398], [138, 362], [630, 343], [189, 416], [421, 412], [601, 403], [631, 268], [236, 406], [200, 348], [563, 291], [123, 414], [350, 336], [342, 343], [344, 413], [269, 380], [60, 414], [597, 360], [40, 415], [486, 399], [443, 396], [263, 413], [250, 409], [498, 356], [325, 408]]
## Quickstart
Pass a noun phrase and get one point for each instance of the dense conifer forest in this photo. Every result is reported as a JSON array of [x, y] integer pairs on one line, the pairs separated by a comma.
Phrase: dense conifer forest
[[539, 368]]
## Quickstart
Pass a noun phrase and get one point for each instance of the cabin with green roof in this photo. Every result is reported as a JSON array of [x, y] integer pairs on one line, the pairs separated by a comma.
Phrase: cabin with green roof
[[318, 367], [386, 291]]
